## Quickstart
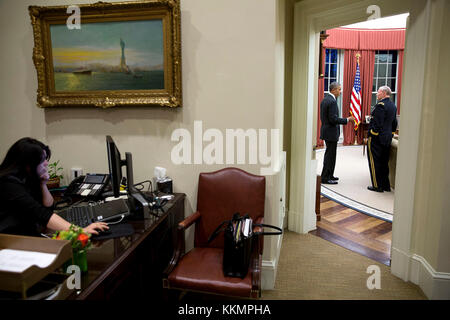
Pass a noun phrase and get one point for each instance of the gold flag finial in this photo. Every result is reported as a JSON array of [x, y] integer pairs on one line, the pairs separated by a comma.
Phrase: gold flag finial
[[357, 57]]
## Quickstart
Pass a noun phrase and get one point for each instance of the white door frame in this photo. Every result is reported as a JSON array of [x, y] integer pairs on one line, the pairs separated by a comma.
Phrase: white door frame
[[310, 17]]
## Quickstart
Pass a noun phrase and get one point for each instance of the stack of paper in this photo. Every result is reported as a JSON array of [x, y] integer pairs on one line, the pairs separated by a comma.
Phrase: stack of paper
[[20, 260]]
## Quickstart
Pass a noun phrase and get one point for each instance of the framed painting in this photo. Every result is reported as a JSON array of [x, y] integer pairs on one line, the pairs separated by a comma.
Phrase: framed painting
[[108, 54]]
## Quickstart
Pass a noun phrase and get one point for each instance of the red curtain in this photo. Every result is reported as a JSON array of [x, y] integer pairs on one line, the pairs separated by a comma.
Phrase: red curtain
[[342, 39], [365, 39], [382, 39], [399, 78], [366, 67]]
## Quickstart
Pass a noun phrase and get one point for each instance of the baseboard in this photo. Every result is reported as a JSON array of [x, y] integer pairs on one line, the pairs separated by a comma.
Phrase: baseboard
[[435, 285], [268, 273], [269, 269]]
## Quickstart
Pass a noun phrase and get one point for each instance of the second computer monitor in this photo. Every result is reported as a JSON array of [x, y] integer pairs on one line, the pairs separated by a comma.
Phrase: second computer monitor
[[115, 168]]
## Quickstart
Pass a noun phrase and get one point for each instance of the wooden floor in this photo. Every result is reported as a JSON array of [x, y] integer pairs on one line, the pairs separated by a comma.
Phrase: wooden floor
[[355, 231]]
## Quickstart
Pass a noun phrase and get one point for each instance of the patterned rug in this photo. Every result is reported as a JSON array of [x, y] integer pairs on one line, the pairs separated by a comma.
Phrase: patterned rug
[[354, 177]]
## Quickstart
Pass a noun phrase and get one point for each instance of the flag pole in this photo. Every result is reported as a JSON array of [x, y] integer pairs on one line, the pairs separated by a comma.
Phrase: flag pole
[[357, 55]]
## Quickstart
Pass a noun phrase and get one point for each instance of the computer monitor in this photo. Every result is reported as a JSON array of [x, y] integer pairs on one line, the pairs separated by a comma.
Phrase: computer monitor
[[115, 167], [138, 204]]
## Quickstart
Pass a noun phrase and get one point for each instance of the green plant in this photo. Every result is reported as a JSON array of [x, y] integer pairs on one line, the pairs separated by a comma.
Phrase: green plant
[[54, 170]]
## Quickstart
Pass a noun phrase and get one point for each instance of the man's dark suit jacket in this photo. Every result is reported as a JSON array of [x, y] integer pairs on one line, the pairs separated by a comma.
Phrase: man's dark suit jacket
[[384, 121], [329, 115]]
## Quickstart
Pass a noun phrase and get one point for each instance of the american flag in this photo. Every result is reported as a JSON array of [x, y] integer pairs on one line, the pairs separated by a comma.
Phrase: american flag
[[355, 101]]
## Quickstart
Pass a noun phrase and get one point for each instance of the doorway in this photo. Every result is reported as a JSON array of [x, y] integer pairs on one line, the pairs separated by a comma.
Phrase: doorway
[[351, 215], [309, 19]]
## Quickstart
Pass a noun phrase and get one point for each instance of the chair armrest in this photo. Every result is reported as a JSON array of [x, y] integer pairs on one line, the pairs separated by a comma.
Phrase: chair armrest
[[180, 244], [186, 223]]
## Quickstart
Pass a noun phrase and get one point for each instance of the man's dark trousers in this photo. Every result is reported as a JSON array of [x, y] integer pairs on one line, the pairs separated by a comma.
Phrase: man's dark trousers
[[329, 132], [329, 160]]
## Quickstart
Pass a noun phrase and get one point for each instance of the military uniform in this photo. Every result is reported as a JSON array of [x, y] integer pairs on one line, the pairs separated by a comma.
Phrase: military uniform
[[381, 130]]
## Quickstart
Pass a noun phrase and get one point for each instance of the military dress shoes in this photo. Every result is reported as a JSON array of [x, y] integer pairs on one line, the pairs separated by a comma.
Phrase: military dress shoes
[[334, 178], [329, 182], [374, 189]]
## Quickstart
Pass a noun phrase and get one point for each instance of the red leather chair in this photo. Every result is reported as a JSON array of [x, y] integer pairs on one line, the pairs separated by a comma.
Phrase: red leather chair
[[220, 195]]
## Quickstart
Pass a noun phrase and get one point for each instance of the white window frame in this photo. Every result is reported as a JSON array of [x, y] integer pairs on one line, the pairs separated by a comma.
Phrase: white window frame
[[339, 79], [394, 92]]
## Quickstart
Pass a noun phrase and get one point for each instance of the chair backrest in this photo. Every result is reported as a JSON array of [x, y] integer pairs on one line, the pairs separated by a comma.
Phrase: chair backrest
[[223, 193]]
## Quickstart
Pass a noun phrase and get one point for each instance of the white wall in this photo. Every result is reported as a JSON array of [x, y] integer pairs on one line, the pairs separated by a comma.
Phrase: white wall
[[228, 67]]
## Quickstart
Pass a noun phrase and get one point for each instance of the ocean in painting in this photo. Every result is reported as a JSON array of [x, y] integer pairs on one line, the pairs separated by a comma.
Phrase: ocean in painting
[[96, 81], [117, 55]]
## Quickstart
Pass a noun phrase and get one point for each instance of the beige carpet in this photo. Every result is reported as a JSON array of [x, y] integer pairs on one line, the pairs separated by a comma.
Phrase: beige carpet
[[313, 268], [353, 171]]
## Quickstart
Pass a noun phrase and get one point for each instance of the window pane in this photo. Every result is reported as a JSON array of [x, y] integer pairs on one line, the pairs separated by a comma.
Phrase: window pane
[[382, 58], [392, 70], [391, 84], [394, 56], [333, 70], [374, 85], [327, 55], [333, 57], [382, 69], [381, 82], [394, 98], [327, 66], [375, 70], [389, 57], [326, 86]]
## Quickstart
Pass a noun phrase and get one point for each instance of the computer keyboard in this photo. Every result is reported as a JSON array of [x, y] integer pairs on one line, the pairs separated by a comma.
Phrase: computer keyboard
[[81, 216], [84, 215]]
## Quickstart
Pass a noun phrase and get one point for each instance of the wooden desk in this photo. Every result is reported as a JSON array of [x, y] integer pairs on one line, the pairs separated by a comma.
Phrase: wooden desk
[[130, 267], [365, 128]]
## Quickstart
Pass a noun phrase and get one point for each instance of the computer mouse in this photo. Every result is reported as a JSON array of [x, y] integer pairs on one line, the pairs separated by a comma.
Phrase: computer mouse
[[103, 232]]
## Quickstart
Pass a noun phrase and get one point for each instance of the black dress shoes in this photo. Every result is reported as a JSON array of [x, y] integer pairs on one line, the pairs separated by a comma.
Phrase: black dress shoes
[[334, 178], [329, 182], [374, 189]]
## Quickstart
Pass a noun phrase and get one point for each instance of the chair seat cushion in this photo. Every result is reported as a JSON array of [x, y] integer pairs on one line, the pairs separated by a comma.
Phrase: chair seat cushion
[[201, 270]]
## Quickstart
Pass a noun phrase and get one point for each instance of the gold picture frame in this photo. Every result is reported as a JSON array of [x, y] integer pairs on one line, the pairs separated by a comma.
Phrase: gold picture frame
[[123, 54]]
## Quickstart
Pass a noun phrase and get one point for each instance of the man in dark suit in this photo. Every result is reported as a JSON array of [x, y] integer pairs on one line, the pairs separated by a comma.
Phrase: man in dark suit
[[329, 115], [381, 130]]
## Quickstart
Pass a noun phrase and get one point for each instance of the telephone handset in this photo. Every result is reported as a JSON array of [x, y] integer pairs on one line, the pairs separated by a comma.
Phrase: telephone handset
[[90, 185]]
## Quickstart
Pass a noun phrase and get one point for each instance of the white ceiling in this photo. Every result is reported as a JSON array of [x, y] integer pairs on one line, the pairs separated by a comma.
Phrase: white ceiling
[[398, 21]]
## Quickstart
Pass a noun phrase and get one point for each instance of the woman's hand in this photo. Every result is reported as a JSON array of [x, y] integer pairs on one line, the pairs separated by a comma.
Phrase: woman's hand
[[42, 171], [92, 228]]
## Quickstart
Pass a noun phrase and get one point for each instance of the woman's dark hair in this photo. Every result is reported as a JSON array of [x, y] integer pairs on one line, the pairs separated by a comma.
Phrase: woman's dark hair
[[25, 153]]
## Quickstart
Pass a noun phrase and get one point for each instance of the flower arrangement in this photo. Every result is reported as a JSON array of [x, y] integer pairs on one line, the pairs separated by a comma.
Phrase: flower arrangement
[[80, 242]]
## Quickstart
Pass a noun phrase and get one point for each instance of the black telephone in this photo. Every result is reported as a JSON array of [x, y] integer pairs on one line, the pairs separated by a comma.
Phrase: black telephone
[[90, 185]]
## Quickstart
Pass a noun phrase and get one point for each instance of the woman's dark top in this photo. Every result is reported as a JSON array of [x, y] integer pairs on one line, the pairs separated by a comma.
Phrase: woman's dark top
[[21, 208]]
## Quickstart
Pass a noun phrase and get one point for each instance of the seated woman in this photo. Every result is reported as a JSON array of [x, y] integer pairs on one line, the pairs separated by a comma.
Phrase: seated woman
[[26, 205]]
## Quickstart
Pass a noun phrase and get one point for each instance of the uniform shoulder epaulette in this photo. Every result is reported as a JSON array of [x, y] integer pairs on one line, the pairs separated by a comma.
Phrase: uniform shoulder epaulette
[[382, 103]]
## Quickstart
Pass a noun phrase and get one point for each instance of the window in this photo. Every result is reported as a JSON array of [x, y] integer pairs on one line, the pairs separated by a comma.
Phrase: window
[[331, 67], [385, 73]]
